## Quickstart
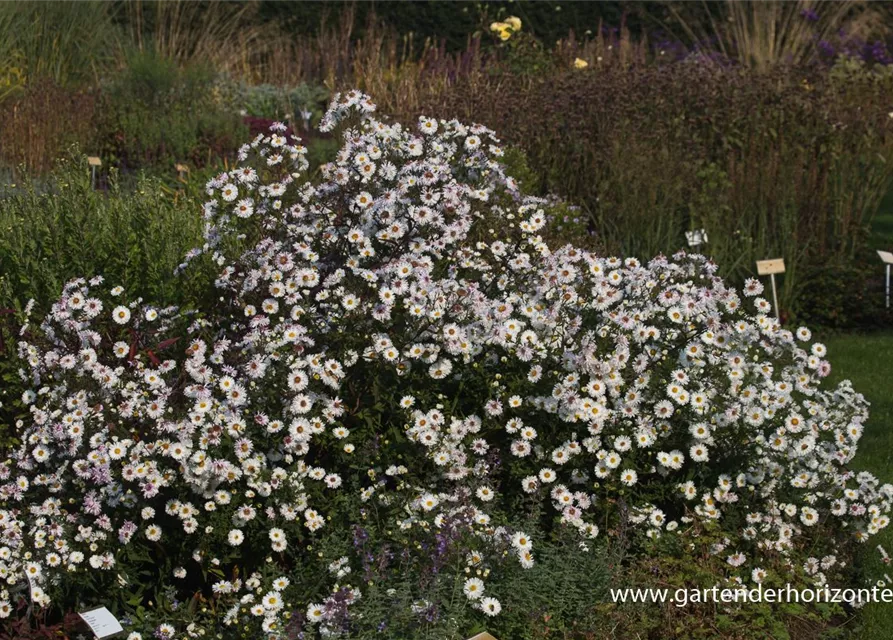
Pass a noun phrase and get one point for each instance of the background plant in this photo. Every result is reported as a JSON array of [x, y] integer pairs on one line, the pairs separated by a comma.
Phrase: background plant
[[764, 34], [55, 228], [159, 112], [58, 41], [801, 180]]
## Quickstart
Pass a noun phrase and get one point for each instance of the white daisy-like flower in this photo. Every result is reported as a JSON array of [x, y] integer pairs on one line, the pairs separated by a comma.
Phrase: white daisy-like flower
[[490, 606], [235, 537], [121, 315], [474, 588]]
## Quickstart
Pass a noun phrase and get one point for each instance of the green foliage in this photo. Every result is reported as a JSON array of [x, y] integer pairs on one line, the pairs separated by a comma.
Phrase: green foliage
[[321, 151], [676, 566], [567, 222], [157, 112], [59, 41], [61, 227], [11, 387], [846, 294], [555, 599], [524, 54], [284, 103]]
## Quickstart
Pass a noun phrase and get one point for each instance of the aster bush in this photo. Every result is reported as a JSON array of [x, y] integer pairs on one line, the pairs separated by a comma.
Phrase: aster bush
[[402, 402], [652, 151]]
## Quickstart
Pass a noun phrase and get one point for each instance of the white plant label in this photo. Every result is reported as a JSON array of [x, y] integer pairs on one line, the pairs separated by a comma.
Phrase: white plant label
[[887, 258], [696, 238], [102, 622]]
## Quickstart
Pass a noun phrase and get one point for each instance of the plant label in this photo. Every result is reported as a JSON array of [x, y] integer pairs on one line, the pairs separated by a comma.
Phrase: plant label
[[887, 258], [102, 622], [94, 161], [696, 237], [182, 168], [770, 267], [482, 636]]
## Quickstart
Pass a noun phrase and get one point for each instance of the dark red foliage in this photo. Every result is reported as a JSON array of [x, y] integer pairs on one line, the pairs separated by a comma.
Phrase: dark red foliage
[[23, 627]]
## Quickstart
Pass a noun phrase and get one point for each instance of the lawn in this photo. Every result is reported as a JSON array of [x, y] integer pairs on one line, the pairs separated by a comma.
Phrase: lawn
[[867, 360]]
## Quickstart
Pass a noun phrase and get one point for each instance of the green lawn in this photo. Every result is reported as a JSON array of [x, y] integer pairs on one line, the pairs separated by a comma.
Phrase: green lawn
[[867, 360]]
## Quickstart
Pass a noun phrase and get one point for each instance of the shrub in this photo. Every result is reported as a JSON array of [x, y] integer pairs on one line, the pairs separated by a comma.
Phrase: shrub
[[790, 162], [159, 112], [58, 227], [287, 104], [57, 41], [34, 135], [400, 386], [844, 295]]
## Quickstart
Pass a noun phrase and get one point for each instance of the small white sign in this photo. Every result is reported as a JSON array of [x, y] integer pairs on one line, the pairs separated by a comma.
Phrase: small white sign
[[887, 259], [94, 161], [102, 622], [482, 636], [696, 238]]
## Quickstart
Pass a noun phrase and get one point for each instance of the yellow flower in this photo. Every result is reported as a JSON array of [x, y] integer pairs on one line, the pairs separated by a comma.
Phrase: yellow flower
[[502, 29], [580, 63]]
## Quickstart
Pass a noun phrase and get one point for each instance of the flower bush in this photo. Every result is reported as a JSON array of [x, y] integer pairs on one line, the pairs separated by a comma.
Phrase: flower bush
[[400, 377], [652, 151]]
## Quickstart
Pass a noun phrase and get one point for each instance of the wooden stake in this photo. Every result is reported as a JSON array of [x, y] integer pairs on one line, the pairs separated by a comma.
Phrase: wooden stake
[[94, 162]]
